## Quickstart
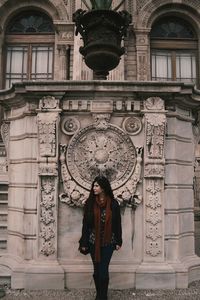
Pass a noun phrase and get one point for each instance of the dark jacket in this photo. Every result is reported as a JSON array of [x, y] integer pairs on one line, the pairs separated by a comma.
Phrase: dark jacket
[[88, 225]]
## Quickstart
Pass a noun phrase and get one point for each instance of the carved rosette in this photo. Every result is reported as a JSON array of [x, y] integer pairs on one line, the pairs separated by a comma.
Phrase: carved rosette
[[70, 125], [132, 125], [100, 148], [48, 118], [155, 127]]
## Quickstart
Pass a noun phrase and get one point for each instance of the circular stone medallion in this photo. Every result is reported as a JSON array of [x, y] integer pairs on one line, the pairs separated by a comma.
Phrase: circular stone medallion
[[132, 125], [109, 152], [70, 125]]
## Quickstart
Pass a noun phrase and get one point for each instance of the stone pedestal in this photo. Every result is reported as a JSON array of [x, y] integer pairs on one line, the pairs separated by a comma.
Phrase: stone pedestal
[[59, 136]]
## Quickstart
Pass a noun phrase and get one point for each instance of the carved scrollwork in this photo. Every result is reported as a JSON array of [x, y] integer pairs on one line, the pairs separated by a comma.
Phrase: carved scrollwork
[[128, 195], [73, 194]]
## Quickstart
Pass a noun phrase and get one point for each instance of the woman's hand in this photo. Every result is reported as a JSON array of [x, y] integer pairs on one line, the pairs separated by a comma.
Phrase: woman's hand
[[118, 247]]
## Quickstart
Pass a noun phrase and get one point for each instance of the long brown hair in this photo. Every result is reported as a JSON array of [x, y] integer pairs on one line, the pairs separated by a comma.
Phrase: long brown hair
[[104, 183]]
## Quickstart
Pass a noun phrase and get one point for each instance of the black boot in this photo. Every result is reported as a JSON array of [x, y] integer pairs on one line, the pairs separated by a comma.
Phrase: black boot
[[104, 289], [96, 282]]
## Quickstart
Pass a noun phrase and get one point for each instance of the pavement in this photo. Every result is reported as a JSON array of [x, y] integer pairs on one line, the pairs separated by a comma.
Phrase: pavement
[[191, 293]]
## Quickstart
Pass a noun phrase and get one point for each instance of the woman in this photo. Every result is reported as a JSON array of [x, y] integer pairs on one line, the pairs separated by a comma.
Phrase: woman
[[101, 231]]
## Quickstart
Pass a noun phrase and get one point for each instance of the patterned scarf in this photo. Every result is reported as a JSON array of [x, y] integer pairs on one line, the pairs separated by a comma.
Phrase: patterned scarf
[[97, 223]]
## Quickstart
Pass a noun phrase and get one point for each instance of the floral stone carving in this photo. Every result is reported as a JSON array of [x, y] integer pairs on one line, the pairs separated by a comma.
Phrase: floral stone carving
[[92, 152], [47, 215], [100, 148], [132, 125]]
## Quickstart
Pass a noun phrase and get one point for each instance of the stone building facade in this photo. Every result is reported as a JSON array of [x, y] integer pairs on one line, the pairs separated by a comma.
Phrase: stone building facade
[[60, 128]]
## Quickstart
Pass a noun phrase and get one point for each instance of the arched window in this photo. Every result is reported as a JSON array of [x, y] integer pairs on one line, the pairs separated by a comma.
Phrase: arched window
[[29, 48], [173, 50]]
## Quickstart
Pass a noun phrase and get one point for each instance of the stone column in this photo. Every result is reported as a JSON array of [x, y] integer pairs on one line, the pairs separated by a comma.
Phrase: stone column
[[153, 189], [142, 52]]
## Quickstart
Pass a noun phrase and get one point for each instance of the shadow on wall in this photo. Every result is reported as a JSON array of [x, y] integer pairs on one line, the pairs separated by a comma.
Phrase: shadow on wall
[[197, 231]]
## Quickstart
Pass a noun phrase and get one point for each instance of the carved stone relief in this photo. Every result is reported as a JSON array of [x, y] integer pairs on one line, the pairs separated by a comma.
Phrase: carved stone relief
[[132, 125], [5, 130], [100, 148], [155, 127], [47, 135], [48, 102], [70, 125], [153, 217], [48, 116], [47, 216]]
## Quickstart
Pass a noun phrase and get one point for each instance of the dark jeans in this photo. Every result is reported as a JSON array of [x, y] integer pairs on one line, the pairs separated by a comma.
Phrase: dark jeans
[[101, 269]]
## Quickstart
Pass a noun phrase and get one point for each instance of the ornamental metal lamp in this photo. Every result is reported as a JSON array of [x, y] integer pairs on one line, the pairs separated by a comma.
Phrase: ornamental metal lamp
[[102, 30]]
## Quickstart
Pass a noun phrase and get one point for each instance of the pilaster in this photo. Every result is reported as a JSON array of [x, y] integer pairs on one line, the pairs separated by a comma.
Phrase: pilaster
[[153, 190], [46, 266], [142, 54]]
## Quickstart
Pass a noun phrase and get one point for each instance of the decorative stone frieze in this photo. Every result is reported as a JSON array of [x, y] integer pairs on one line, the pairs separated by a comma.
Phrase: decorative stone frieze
[[48, 119], [154, 172]]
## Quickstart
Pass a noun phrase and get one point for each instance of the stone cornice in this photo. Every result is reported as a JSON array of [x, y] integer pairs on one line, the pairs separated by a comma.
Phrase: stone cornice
[[21, 93]]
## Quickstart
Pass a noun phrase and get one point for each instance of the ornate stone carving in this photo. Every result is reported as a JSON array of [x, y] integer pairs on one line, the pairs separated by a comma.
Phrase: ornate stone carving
[[154, 170], [101, 121], [47, 215], [107, 151], [47, 134], [66, 36], [155, 132], [73, 195], [153, 232], [132, 125], [154, 103], [70, 125], [153, 217], [142, 63], [153, 247], [5, 130], [48, 103], [100, 148], [48, 169]]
